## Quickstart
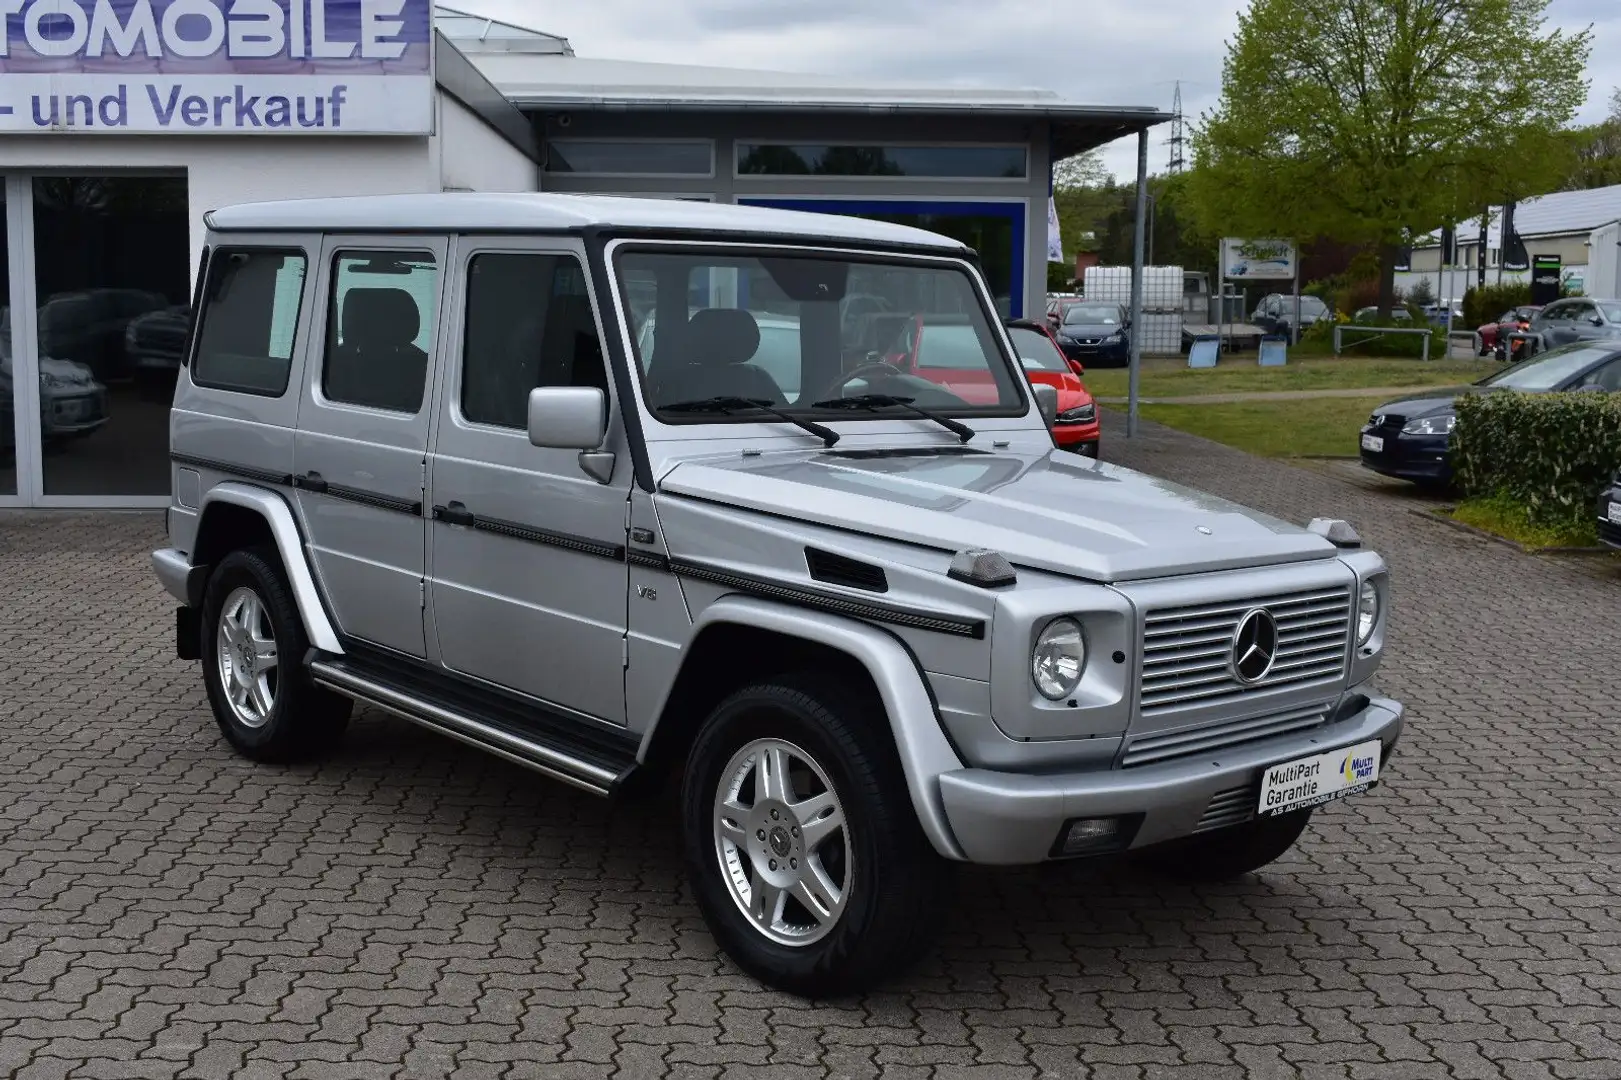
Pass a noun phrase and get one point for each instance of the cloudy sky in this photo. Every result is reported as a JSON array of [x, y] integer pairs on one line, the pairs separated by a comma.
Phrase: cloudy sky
[[1116, 52]]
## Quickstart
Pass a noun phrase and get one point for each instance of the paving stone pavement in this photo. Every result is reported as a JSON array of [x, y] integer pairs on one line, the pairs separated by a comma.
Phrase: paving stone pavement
[[410, 908]]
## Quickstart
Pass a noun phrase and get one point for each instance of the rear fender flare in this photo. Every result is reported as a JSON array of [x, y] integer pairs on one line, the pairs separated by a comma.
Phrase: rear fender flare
[[290, 545]]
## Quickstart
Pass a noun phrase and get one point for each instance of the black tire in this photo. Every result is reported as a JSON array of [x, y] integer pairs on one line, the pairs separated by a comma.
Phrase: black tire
[[1224, 854], [303, 719], [899, 883]]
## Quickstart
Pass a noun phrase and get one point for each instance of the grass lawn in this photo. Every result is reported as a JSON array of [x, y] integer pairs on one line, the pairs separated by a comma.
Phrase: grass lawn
[[1507, 518], [1309, 427], [1173, 378]]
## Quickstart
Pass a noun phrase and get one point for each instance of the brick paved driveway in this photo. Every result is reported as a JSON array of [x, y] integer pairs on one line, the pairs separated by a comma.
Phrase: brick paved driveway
[[413, 909]]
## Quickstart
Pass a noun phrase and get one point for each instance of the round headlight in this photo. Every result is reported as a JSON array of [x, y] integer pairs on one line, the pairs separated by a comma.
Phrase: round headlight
[[1367, 613], [1058, 659]]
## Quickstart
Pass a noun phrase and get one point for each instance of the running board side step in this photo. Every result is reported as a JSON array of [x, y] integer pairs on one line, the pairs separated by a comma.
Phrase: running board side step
[[582, 762]]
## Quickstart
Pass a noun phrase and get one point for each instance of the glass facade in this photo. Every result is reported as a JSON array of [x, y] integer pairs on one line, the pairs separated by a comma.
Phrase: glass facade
[[112, 277], [824, 159], [994, 230], [8, 395], [629, 157]]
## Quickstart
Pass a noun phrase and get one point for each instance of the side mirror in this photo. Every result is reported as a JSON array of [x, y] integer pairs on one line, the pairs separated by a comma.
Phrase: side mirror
[[1595, 320], [568, 417], [1047, 402], [1075, 366]]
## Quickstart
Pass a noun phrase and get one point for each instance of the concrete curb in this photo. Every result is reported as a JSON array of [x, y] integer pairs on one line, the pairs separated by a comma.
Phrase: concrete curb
[[1441, 514]]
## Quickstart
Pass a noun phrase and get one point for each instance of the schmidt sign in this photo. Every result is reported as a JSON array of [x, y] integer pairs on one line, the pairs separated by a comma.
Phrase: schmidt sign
[[234, 67]]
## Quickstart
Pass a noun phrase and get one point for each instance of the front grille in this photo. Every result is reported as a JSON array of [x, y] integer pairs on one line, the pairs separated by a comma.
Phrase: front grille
[[1231, 807], [1204, 738], [1188, 651]]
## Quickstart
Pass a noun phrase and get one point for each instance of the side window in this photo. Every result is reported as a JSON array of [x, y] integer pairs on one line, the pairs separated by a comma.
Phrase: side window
[[380, 329], [1559, 313], [249, 319], [1608, 376], [529, 324]]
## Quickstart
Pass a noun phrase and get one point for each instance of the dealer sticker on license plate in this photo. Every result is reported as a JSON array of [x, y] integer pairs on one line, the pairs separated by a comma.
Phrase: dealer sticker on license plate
[[1321, 778], [1373, 442], [1615, 513]]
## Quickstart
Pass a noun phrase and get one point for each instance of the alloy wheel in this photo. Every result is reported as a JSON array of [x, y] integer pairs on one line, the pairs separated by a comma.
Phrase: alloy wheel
[[782, 841], [248, 658]]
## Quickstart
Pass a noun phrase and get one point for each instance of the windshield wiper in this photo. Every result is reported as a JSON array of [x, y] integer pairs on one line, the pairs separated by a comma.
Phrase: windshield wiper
[[889, 401], [726, 406]]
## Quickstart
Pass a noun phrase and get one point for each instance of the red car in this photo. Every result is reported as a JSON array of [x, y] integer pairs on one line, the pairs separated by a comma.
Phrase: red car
[[1510, 322]]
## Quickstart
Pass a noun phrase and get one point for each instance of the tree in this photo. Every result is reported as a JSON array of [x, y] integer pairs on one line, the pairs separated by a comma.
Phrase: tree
[[1597, 151], [1081, 171], [1374, 121]]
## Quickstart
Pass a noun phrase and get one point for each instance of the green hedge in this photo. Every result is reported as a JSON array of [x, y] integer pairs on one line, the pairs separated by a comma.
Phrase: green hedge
[[1483, 305], [1552, 452]]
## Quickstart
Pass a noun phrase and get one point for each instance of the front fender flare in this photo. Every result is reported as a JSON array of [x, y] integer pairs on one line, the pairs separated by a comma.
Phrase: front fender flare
[[290, 544], [920, 742]]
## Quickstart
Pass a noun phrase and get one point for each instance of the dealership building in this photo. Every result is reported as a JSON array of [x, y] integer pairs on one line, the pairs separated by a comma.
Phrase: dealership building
[[123, 121]]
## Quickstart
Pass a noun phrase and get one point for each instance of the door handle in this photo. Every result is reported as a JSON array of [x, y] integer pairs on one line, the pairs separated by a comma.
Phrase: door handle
[[454, 514], [312, 481]]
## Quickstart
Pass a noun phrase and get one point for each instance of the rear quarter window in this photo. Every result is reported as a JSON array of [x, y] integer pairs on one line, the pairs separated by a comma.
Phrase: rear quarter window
[[249, 320]]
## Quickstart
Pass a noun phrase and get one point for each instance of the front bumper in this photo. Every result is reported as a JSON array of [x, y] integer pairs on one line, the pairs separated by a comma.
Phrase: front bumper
[[1015, 818], [1408, 457], [1609, 517], [1116, 352]]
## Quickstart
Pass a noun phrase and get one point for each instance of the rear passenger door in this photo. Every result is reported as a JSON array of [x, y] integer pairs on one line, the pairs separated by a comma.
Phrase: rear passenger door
[[360, 457], [529, 582]]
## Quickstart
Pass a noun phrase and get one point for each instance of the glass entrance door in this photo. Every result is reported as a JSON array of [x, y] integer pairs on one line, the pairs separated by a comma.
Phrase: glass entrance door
[[9, 439], [99, 287]]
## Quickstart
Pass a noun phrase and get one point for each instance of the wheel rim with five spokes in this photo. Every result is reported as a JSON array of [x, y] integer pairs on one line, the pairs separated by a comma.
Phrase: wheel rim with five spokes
[[782, 841], [247, 658]]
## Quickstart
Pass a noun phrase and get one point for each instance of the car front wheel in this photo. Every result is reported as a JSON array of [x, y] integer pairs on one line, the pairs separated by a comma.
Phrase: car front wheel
[[801, 843]]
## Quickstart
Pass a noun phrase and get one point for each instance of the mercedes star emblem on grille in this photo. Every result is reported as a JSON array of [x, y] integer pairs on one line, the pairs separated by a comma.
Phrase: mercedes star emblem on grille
[[1255, 646]]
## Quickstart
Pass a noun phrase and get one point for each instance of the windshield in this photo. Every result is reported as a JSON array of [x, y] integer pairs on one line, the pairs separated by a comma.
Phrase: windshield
[[1093, 314], [1612, 311], [1549, 370], [1036, 350], [720, 332]]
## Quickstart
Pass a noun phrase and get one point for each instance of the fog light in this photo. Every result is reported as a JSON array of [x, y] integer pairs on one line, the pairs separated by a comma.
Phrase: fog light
[[1087, 834]]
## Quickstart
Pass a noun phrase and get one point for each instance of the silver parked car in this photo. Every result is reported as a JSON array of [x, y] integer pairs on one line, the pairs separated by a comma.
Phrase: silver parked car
[[1579, 318], [425, 460]]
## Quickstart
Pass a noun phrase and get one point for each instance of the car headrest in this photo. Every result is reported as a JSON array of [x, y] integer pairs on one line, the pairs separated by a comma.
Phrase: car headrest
[[380, 317], [719, 336]]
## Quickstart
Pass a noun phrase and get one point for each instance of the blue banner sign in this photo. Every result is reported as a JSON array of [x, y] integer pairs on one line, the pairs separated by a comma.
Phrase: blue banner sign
[[237, 67]]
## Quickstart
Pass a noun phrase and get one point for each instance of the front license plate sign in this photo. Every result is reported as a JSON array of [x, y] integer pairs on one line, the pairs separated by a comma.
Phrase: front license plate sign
[[1615, 513], [1373, 442], [1321, 778]]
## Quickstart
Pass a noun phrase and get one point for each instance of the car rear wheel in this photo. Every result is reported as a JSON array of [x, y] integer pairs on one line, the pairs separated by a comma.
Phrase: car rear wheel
[[802, 847], [252, 655], [1224, 854]]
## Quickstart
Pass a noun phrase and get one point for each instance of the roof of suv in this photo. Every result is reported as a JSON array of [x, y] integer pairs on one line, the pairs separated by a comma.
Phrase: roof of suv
[[547, 212]]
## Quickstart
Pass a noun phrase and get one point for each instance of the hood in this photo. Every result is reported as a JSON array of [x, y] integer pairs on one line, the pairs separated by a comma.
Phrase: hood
[[1041, 508], [1086, 330], [1072, 393], [1430, 402]]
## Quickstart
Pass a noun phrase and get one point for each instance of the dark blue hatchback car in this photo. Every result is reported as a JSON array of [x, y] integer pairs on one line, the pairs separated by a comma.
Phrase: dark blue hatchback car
[[1408, 438], [1097, 333]]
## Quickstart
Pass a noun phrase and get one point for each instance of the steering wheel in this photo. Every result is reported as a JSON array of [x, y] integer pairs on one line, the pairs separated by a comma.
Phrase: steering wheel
[[872, 367]]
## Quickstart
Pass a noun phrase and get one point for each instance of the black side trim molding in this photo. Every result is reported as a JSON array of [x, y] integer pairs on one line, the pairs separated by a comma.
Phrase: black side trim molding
[[651, 560], [567, 541], [920, 618], [264, 476], [314, 483]]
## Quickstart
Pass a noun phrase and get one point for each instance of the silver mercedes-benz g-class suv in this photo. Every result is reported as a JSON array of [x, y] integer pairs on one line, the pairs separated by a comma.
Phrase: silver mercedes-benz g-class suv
[[618, 489]]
